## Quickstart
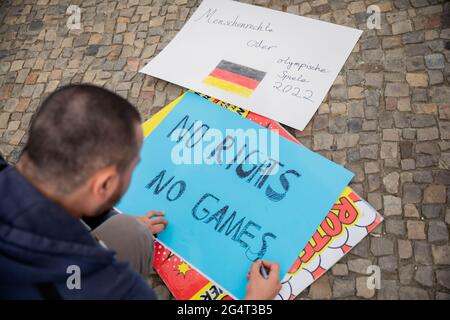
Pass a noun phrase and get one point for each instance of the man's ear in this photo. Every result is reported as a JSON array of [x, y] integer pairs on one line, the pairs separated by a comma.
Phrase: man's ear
[[104, 182]]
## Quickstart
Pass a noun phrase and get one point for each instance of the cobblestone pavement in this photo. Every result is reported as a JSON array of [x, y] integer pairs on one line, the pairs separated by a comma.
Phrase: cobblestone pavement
[[386, 118]]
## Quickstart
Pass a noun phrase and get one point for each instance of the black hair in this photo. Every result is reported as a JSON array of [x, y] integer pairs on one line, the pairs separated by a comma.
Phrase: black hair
[[78, 130]]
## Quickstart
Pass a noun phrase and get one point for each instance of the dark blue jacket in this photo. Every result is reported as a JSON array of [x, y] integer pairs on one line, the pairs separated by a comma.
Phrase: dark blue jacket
[[39, 241]]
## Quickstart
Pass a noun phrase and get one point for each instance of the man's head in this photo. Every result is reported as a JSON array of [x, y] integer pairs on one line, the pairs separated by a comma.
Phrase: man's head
[[83, 141]]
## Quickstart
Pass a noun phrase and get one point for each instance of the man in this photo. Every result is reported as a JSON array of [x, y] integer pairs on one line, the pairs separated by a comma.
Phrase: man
[[83, 146]]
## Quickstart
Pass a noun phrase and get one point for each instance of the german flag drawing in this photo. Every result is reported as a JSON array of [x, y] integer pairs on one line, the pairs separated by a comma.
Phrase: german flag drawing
[[234, 78]]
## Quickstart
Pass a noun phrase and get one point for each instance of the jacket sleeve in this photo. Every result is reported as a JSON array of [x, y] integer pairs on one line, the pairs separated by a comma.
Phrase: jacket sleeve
[[130, 285], [140, 291]]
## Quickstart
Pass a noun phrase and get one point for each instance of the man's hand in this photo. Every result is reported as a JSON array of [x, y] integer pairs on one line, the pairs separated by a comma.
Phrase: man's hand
[[259, 288], [155, 221]]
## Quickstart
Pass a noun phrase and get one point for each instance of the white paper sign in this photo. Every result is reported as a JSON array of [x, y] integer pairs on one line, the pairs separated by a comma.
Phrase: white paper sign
[[270, 62]]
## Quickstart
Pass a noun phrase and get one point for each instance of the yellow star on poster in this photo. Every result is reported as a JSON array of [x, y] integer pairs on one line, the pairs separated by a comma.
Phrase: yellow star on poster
[[183, 268]]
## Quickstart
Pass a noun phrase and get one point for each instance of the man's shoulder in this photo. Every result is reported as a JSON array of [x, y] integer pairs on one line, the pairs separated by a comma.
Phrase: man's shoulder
[[134, 285]]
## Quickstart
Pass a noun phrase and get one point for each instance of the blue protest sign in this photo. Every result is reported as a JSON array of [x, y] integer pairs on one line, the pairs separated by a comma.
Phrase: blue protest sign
[[233, 191]]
